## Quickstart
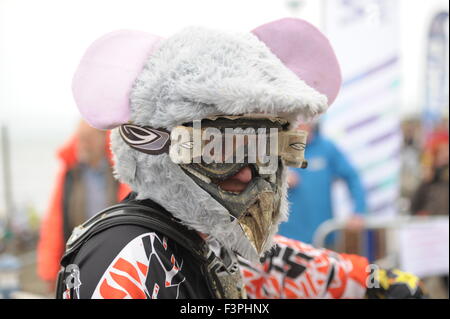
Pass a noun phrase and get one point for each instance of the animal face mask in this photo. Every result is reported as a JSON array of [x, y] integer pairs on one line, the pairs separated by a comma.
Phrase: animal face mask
[[247, 152]]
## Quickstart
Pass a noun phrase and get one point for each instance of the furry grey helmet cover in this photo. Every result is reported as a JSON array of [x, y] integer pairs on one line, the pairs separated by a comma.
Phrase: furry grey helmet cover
[[192, 75]]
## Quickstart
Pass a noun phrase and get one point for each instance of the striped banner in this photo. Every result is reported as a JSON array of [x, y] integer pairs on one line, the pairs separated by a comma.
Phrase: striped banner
[[364, 120]]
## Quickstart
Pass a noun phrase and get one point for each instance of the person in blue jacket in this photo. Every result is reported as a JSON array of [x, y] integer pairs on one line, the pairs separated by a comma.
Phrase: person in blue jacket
[[310, 190]]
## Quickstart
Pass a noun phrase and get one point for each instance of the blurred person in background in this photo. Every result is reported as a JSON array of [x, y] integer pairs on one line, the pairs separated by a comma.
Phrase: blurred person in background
[[84, 185], [311, 205], [431, 196]]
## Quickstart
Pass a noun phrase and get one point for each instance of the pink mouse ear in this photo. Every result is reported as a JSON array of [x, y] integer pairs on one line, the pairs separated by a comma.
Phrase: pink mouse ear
[[105, 76], [306, 51]]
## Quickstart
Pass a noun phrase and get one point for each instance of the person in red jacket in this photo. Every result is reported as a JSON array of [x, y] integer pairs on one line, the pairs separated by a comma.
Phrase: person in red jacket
[[84, 185]]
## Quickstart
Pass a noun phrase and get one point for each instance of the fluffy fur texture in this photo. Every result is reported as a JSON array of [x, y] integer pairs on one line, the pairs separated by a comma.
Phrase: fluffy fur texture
[[195, 74]]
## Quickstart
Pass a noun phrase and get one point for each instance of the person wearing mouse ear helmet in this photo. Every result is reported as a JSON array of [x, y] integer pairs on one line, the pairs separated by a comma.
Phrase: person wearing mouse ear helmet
[[202, 131]]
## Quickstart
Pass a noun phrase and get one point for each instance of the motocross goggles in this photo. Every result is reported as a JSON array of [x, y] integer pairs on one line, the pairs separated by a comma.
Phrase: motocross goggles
[[223, 139]]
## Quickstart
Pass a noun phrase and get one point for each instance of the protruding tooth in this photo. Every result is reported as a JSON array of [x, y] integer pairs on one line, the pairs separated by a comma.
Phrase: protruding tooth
[[273, 178]]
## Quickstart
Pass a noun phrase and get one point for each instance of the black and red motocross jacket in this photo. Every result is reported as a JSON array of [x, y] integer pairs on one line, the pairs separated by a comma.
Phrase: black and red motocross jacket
[[137, 250]]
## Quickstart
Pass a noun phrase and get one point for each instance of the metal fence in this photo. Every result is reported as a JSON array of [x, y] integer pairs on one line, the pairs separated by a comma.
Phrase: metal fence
[[419, 243]]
